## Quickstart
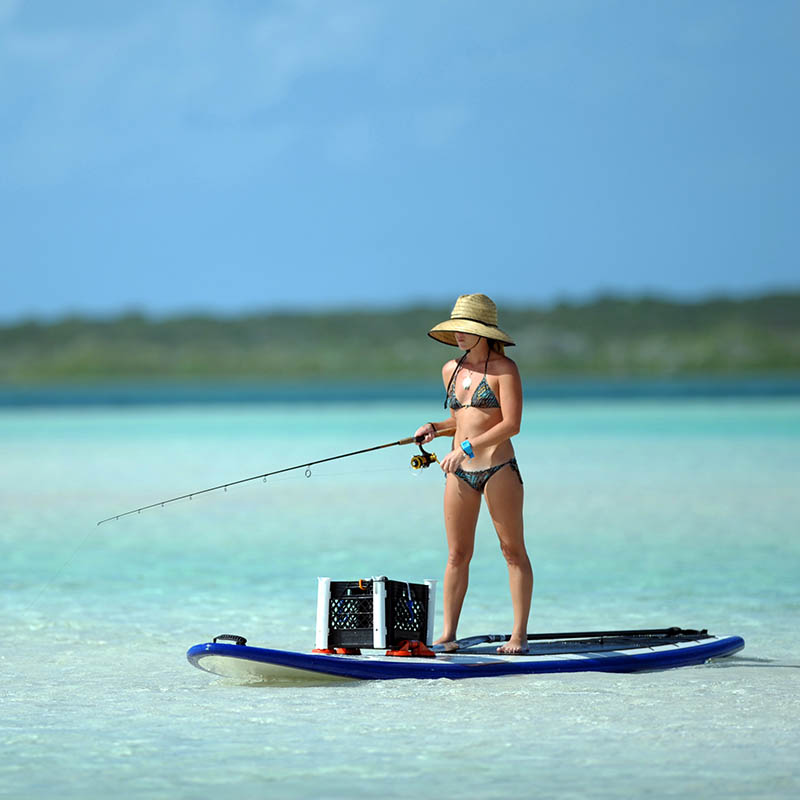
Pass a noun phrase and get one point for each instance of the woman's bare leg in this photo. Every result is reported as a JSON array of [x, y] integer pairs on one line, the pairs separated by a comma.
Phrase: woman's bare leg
[[504, 494], [462, 505]]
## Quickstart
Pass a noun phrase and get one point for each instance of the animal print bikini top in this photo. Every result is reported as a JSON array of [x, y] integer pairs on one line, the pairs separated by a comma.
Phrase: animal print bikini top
[[482, 397]]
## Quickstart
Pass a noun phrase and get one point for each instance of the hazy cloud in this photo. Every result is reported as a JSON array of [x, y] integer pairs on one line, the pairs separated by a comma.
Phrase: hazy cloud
[[181, 72]]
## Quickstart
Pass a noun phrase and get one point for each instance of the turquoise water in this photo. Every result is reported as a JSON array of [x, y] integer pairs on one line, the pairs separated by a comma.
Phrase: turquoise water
[[638, 514]]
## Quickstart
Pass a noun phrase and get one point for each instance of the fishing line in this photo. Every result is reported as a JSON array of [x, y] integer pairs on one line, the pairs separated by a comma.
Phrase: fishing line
[[57, 574]]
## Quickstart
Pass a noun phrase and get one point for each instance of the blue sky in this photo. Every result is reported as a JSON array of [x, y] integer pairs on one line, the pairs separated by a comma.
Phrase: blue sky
[[236, 155]]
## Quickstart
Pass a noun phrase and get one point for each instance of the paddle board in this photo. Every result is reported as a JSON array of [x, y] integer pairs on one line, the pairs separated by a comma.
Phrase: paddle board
[[549, 653]]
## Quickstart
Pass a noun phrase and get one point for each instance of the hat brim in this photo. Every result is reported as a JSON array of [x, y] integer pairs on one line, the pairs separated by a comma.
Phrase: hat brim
[[445, 332]]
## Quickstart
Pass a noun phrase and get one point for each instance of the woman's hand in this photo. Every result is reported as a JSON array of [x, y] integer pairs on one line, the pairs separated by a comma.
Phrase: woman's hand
[[453, 460], [426, 431]]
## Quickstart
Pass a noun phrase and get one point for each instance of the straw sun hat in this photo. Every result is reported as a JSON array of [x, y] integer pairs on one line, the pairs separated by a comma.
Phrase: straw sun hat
[[472, 313]]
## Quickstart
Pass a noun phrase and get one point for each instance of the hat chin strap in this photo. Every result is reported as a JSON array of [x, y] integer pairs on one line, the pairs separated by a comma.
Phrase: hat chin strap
[[453, 376]]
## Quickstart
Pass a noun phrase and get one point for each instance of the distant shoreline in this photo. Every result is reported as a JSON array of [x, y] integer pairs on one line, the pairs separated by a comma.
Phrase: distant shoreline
[[608, 339]]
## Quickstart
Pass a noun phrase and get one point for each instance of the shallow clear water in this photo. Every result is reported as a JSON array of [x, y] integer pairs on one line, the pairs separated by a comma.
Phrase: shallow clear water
[[638, 514]]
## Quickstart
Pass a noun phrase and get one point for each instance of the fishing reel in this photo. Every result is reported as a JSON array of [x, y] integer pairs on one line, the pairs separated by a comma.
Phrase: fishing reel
[[424, 460]]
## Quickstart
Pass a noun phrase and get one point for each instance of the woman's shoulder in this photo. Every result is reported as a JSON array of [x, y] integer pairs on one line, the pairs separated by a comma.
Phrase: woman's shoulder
[[449, 366], [500, 364]]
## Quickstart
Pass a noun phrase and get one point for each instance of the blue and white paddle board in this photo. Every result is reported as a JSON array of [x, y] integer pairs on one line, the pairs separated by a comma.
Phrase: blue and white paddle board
[[592, 653]]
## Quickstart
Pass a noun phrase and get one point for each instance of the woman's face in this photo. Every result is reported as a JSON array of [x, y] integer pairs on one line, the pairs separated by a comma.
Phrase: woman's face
[[466, 341]]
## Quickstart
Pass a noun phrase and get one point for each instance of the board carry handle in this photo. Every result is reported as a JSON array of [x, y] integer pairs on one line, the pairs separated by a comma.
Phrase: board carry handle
[[230, 637]]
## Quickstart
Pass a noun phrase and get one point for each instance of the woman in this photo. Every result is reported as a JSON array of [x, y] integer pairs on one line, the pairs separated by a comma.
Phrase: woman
[[484, 394]]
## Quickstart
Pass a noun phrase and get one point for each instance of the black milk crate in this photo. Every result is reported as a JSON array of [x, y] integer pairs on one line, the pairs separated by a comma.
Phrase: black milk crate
[[373, 613]]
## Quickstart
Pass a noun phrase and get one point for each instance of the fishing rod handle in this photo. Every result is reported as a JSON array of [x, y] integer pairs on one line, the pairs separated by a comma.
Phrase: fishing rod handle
[[418, 439]]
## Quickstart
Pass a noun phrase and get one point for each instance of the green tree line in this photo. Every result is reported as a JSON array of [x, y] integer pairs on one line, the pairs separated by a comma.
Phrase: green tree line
[[608, 336]]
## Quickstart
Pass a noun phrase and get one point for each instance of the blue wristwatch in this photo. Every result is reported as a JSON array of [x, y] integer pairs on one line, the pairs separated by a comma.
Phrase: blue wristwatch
[[467, 448]]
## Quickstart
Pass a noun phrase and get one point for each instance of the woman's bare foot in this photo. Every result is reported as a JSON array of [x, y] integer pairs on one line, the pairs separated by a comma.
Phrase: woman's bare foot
[[516, 646], [447, 644]]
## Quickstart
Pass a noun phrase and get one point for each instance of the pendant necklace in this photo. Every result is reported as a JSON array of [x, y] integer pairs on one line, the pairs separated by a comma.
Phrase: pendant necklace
[[467, 382]]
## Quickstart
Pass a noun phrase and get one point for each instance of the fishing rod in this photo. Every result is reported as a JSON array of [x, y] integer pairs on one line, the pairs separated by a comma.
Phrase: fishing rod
[[419, 461]]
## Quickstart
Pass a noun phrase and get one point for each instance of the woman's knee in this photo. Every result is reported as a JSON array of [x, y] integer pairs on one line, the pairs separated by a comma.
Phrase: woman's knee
[[459, 556], [515, 554]]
